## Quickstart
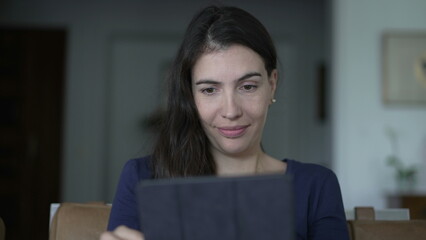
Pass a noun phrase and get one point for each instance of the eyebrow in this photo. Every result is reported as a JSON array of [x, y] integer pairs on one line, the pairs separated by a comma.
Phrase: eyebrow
[[244, 77]]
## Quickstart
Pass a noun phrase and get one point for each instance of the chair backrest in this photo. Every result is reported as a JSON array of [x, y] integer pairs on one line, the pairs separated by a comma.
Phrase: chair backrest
[[83, 221], [382, 214], [365, 227], [86, 221], [2, 229]]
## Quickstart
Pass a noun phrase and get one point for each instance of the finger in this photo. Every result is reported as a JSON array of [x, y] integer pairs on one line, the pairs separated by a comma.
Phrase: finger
[[128, 234], [108, 236]]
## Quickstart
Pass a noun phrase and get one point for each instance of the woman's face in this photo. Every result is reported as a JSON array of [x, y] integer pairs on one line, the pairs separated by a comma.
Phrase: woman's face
[[232, 92]]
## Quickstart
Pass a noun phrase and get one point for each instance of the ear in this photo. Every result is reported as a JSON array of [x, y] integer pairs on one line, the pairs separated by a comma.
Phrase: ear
[[273, 80]]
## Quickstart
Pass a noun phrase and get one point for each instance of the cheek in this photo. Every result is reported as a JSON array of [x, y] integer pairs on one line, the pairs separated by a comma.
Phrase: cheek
[[257, 110], [257, 107], [205, 110]]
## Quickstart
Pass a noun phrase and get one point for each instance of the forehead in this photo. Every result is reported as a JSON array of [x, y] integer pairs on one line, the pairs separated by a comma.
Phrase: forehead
[[229, 62]]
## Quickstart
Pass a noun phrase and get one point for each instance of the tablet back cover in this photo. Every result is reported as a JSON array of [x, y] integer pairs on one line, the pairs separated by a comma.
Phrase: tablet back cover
[[212, 208]]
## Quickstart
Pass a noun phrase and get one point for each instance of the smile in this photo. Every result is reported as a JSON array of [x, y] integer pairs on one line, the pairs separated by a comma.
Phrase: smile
[[233, 132]]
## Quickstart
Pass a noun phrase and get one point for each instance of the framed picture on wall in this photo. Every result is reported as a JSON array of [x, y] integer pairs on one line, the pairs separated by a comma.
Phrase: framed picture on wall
[[404, 68]]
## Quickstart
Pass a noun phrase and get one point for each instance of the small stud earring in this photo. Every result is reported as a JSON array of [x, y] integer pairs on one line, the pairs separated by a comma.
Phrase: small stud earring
[[274, 100]]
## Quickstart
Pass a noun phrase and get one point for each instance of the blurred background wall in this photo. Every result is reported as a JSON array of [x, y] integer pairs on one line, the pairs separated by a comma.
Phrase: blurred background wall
[[329, 109], [115, 53], [360, 118]]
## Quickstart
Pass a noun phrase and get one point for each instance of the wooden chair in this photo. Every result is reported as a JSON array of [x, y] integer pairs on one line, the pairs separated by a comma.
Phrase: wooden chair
[[83, 221], [86, 221], [365, 227]]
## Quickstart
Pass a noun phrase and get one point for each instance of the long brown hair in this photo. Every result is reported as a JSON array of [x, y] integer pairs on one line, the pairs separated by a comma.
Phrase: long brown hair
[[182, 148]]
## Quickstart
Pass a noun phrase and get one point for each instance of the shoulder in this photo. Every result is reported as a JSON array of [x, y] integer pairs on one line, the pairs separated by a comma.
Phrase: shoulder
[[319, 205], [124, 210], [312, 178], [138, 167], [307, 170]]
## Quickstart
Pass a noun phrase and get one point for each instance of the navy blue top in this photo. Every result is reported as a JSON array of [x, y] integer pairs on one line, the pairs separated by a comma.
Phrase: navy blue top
[[319, 209]]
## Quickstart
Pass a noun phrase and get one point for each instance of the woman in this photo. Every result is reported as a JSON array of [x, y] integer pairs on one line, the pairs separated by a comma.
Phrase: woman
[[220, 87]]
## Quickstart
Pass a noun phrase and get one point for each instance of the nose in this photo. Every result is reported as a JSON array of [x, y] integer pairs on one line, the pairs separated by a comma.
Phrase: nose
[[231, 108]]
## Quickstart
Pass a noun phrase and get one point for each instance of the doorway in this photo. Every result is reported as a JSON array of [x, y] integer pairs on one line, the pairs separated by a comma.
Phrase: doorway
[[31, 105]]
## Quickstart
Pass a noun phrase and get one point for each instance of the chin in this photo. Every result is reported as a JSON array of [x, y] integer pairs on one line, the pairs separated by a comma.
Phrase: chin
[[234, 149]]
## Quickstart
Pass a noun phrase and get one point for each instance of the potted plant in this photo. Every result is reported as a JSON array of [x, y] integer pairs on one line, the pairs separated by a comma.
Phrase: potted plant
[[405, 175]]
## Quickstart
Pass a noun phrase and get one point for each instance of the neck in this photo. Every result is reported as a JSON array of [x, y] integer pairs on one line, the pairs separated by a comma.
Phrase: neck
[[239, 164]]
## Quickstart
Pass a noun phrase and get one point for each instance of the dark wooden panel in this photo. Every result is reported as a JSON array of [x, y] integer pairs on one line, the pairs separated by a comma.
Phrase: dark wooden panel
[[416, 204], [31, 92]]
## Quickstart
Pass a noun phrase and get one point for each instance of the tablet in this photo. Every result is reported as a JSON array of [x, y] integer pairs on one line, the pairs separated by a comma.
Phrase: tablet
[[257, 207]]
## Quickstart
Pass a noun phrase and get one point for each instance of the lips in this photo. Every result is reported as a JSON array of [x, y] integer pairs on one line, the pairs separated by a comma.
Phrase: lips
[[233, 132]]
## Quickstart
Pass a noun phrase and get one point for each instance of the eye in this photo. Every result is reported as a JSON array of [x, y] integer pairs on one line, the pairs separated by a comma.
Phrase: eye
[[208, 91], [249, 88]]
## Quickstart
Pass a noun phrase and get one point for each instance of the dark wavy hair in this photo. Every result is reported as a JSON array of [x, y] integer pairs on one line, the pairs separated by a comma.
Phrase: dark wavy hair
[[182, 148]]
